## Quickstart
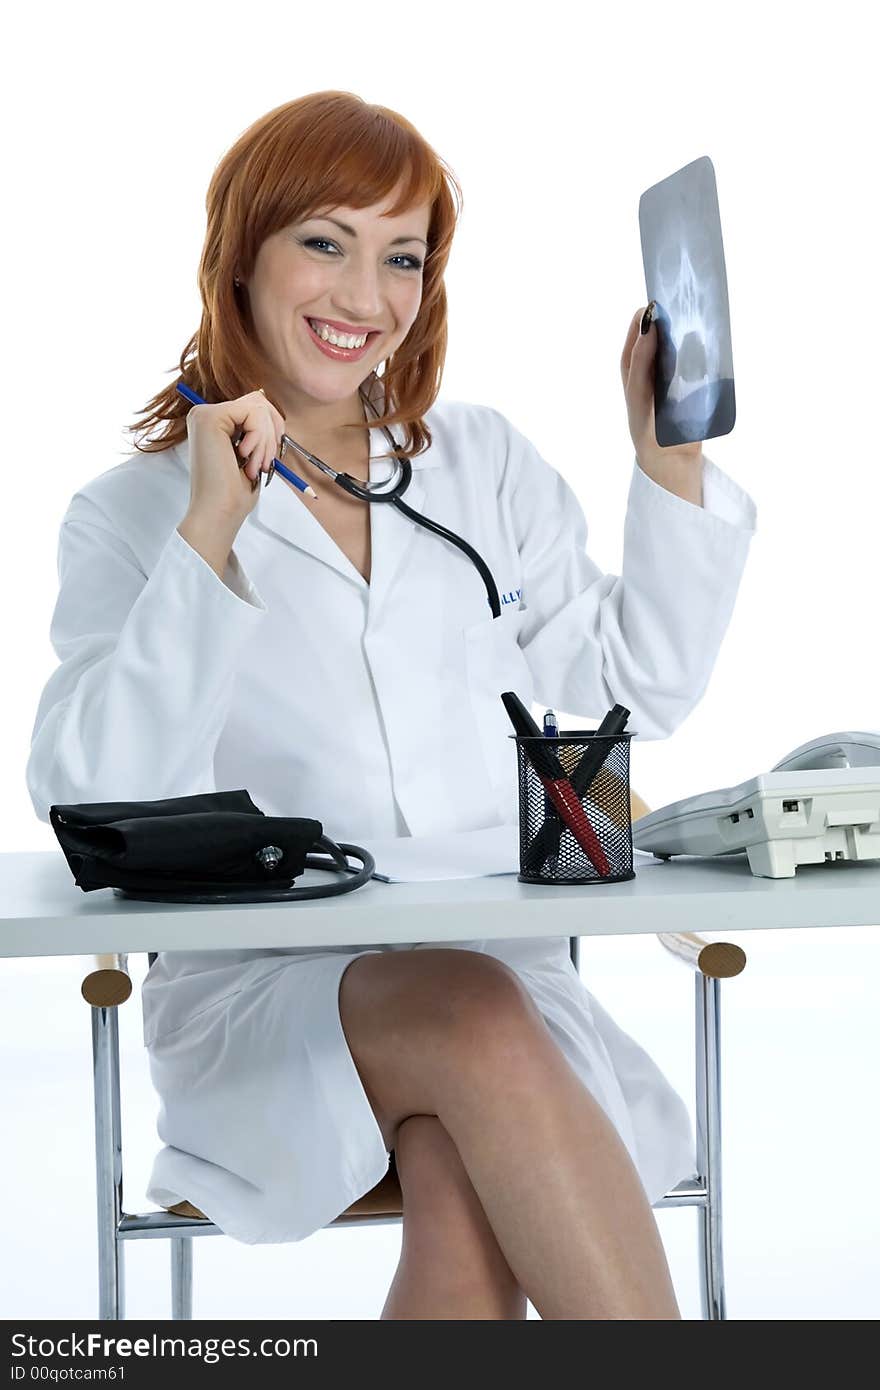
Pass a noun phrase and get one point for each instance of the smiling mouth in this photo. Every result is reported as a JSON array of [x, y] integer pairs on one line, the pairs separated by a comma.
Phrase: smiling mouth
[[335, 338]]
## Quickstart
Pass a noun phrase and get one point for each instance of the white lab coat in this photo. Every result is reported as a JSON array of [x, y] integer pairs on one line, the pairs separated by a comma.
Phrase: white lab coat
[[375, 709]]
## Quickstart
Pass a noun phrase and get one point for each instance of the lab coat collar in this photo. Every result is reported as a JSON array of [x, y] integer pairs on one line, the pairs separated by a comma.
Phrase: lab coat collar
[[285, 512]]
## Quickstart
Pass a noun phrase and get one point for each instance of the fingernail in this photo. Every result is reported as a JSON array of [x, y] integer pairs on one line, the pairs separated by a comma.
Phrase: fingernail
[[648, 316], [270, 475]]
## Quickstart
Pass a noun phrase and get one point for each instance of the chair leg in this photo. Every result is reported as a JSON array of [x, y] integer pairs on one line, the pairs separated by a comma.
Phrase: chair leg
[[708, 1083], [181, 1277], [108, 1162]]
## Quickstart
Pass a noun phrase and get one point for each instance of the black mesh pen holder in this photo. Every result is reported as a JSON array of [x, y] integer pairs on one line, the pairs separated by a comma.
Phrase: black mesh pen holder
[[575, 818]]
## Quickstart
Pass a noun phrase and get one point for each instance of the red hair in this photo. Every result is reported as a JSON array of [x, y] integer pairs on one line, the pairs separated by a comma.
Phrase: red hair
[[326, 149]]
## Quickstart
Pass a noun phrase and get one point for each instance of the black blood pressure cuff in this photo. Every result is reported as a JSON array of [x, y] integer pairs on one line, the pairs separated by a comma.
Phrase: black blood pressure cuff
[[185, 844]]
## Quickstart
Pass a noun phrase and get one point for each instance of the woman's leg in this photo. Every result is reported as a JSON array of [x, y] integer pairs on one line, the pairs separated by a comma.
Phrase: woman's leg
[[454, 1033], [450, 1264]]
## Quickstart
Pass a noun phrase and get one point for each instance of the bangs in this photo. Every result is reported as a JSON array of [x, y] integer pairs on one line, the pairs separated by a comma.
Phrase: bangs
[[354, 156], [364, 172]]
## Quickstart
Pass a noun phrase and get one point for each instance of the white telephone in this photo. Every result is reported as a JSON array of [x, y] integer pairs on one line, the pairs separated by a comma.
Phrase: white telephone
[[820, 803]]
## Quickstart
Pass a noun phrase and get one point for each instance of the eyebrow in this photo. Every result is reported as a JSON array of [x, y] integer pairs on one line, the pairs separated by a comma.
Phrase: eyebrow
[[398, 240]]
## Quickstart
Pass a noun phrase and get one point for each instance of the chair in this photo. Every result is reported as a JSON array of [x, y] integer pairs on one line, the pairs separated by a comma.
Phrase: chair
[[108, 985]]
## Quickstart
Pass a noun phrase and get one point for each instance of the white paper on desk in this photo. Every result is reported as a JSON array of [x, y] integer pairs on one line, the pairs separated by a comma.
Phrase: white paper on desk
[[464, 854]]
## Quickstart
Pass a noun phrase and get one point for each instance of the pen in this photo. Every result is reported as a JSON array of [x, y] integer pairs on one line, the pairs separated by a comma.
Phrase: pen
[[555, 782], [613, 723], [546, 842], [277, 465], [551, 730]]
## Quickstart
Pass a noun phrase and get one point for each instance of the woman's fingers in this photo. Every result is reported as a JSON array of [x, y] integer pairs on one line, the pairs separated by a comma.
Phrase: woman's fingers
[[255, 452], [261, 443], [272, 443], [245, 446], [632, 336], [248, 453]]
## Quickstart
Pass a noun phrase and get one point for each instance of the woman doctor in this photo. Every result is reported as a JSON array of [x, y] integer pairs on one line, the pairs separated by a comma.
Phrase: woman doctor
[[341, 663]]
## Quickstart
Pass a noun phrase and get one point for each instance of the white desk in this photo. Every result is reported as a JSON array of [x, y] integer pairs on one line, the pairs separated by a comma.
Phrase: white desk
[[44, 913]]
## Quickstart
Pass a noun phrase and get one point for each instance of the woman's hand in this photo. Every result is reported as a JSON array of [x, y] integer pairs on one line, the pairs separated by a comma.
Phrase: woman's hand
[[224, 485], [679, 469], [230, 445]]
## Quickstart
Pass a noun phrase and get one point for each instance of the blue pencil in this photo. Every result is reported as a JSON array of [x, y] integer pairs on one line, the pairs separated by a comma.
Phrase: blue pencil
[[277, 465]]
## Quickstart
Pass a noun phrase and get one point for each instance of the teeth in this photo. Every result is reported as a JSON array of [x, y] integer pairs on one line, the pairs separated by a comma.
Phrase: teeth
[[329, 335]]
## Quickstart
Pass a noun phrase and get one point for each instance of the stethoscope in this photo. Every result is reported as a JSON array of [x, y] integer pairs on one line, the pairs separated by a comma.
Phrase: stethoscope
[[388, 490]]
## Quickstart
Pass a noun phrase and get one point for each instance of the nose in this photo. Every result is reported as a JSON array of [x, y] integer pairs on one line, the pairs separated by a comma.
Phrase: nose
[[358, 294]]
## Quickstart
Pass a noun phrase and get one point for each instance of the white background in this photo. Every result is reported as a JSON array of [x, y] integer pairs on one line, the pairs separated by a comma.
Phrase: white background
[[554, 121]]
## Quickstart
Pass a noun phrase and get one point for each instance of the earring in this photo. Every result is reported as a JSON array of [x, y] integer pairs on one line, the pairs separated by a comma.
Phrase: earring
[[237, 282]]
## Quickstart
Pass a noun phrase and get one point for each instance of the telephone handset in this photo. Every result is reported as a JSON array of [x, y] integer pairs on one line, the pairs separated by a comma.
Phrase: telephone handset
[[819, 804], [833, 750]]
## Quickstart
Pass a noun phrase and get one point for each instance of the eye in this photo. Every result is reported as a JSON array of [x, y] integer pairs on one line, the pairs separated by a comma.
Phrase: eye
[[414, 262], [316, 241]]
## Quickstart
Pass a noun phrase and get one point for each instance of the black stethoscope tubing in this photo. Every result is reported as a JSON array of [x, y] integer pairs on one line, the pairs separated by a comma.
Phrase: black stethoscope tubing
[[393, 496], [475, 559], [339, 855]]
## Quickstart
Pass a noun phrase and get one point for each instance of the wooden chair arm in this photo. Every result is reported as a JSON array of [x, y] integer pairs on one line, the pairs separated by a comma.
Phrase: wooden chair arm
[[108, 983], [720, 960]]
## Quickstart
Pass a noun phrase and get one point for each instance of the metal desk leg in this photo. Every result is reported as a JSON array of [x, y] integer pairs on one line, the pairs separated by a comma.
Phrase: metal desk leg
[[181, 1277], [708, 1097], [108, 1155]]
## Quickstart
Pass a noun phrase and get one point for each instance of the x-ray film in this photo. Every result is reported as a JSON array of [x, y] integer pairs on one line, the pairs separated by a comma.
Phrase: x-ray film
[[683, 257]]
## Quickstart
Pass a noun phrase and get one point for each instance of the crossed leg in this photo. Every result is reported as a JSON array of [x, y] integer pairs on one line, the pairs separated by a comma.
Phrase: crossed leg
[[450, 1263], [454, 1034]]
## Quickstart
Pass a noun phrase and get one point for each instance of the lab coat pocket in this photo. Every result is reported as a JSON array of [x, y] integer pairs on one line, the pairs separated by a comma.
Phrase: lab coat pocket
[[494, 663]]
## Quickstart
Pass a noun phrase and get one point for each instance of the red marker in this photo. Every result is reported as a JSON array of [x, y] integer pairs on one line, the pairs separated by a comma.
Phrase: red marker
[[567, 803], [555, 783]]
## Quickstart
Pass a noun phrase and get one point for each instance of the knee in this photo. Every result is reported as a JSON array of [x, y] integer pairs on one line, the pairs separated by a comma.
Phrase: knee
[[484, 1011], [419, 1021]]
